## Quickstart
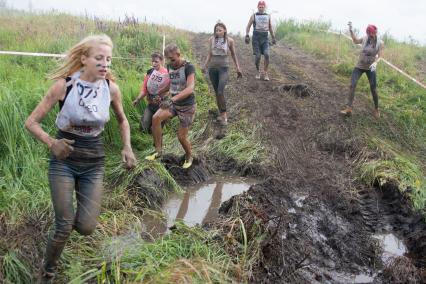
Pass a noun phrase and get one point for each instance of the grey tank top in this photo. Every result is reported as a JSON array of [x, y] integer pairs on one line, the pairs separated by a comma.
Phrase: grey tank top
[[86, 108], [369, 50], [178, 84], [261, 22], [220, 48]]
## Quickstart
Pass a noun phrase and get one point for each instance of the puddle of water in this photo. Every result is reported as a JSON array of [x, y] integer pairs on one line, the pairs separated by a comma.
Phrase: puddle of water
[[363, 278], [198, 204], [292, 210], [298, 200], [392, 246]]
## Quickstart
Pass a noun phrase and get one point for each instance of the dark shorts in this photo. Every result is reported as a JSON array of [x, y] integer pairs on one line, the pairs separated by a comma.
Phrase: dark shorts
[[260, 43], [186, 114]]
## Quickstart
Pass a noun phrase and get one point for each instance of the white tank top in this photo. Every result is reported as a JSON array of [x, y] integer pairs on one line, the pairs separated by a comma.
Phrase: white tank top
[[157, 81], [219, 46], [261, 22], [86, 108]]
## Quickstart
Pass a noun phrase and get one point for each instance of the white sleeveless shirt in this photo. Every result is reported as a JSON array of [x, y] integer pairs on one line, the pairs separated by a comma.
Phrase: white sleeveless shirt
[[86, 107], [219, 46], [261, 22]]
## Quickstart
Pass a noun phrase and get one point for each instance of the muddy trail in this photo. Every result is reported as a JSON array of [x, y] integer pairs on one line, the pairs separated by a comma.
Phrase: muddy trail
[[319, 225]]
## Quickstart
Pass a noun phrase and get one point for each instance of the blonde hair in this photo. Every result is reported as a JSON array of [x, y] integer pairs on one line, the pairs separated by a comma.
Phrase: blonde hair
[[172, 47], [72, 61]]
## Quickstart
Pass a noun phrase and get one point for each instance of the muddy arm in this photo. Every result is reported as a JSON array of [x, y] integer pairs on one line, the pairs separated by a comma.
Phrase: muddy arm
[[250, 23], [55, 93], [233, 53], [117, 105]]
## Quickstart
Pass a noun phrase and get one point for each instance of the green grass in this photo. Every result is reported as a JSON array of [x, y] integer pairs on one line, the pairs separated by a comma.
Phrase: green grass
[[24, 190], [187, 253], [400, 136]]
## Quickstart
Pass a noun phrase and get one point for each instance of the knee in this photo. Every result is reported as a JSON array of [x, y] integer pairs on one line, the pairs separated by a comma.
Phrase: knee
[[266, 56], [62, 232], [85, 229], [181, 137], [156, 120]]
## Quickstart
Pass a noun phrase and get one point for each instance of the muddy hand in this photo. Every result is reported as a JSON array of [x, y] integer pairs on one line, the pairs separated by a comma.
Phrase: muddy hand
[[157, 100], [135, 102], [62, 148], [239, 74], [166, 104], [247, 39], [128, 158]]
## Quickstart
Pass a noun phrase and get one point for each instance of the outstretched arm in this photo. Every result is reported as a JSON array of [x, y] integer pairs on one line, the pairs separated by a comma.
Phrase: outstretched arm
[[353, 36], [143, 92]]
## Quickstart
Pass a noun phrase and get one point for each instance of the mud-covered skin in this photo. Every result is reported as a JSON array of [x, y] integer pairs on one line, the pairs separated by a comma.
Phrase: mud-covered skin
[[313, 150]]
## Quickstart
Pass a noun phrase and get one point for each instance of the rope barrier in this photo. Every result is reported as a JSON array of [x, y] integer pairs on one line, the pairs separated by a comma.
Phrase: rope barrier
[[382, 59]]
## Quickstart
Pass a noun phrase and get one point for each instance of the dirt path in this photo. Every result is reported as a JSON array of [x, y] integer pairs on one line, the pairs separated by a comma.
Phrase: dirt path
[[321, 222]]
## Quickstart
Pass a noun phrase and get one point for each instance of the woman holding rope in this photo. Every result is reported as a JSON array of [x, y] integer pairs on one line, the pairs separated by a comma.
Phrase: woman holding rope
[[84, 90]]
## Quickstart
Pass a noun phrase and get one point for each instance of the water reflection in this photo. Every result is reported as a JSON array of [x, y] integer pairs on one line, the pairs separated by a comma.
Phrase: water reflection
[[198, 204]]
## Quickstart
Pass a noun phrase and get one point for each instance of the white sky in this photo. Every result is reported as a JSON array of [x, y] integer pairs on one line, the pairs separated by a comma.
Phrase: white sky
[[401, 18]]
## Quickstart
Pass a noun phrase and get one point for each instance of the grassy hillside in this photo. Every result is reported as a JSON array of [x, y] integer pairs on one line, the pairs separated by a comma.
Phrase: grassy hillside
[[400, 135], [25, 207]]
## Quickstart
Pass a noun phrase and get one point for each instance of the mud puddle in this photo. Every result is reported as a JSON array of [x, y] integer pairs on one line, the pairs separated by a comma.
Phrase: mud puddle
[[391, 245], [198, 204]]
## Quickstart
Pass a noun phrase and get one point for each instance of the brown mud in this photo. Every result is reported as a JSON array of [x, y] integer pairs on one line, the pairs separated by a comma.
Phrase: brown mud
[[316, 224]]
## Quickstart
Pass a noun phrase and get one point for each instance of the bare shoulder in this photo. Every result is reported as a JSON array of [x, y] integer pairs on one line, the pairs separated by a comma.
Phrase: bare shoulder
[[57, 90]]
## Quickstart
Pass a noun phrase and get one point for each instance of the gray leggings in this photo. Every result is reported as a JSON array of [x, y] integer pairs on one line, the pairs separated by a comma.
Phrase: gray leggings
[[66, 178], [146, 122], [219, 77], [371, 75]]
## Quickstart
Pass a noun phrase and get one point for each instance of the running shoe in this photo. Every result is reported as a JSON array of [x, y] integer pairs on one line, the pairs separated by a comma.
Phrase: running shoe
[[376, 114], [266, 78], [188, 163], [347, 111], [258, 76], [153, 156]]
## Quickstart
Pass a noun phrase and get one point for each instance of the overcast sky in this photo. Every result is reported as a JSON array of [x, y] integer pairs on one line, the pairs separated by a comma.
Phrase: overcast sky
[[401, 18]]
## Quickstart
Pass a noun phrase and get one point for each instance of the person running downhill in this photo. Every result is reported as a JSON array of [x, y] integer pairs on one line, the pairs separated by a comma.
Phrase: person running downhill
[[155, 87], [371, 52], [181, 104], [261, 22], [84, 90], [220, 45]]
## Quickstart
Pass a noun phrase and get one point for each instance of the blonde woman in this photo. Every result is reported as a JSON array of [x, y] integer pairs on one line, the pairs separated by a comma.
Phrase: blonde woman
[[84, 89]]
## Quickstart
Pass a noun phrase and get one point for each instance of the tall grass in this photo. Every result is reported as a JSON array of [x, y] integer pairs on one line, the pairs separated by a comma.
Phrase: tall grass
[[400, 136]]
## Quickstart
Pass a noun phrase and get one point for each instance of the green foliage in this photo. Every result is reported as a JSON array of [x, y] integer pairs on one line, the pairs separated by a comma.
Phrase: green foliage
[[186, 253], [13, 269]]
